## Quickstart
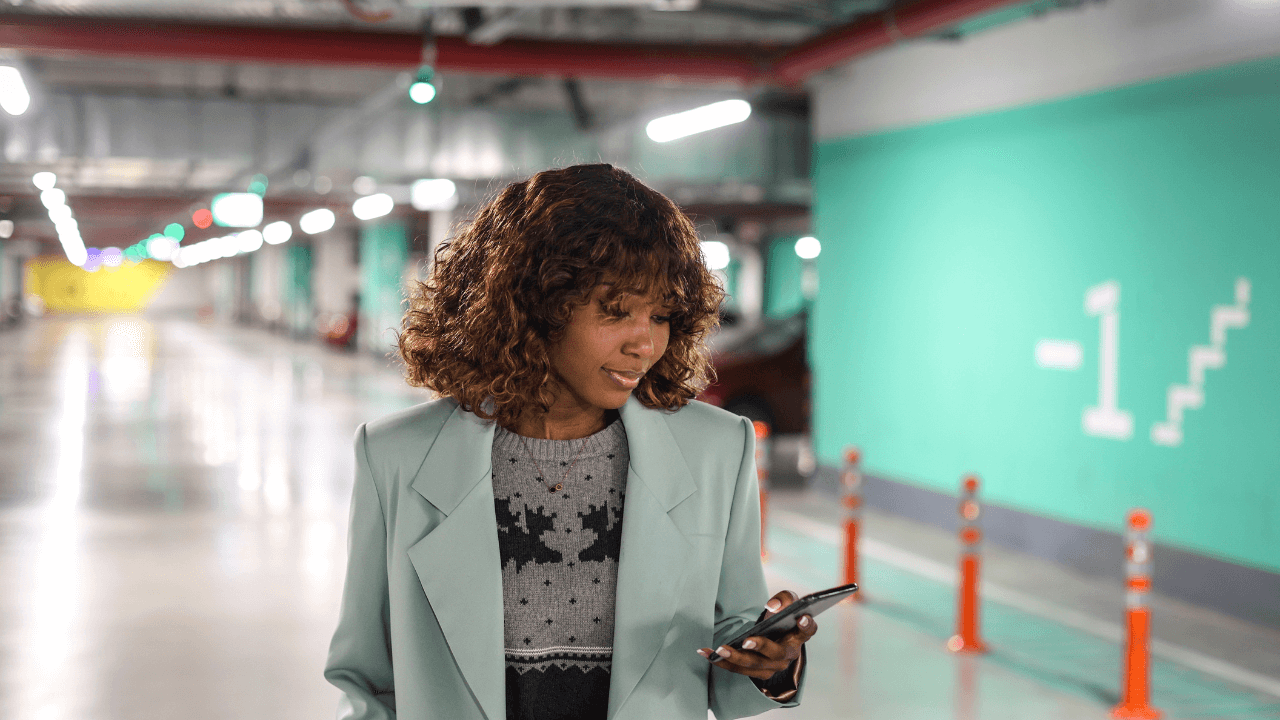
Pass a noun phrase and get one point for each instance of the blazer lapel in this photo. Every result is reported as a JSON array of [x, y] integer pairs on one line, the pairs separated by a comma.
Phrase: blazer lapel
[[458, 562], [654, 552]]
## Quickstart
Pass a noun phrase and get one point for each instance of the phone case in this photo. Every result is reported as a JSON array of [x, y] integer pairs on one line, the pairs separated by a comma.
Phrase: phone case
[[783, 621]]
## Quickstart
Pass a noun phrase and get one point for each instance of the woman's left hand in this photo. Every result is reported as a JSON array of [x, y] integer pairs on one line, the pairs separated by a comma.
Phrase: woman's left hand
[[761, 657]]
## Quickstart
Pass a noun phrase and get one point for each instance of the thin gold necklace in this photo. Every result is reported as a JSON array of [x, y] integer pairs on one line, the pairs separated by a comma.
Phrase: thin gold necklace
[[542, 475]]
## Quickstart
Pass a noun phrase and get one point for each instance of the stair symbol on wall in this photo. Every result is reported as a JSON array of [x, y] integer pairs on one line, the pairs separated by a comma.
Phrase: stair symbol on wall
[[1200, 359]]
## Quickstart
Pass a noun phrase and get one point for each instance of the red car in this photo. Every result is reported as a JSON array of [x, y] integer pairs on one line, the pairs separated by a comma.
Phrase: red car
[[763, 373]]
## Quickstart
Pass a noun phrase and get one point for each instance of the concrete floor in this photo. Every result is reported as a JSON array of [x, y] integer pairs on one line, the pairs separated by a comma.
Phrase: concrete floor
[[173, 507]]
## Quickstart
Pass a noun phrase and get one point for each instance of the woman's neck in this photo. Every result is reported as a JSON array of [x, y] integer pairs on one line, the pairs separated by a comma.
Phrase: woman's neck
[[562, 425]]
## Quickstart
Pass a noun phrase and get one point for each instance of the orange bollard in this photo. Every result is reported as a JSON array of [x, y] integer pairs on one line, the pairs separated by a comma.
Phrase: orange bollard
[[851, 482], [966, 639], [1135, 691], [762, 477]]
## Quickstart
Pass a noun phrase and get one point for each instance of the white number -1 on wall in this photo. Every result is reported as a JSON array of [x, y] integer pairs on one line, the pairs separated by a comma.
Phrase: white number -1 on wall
[[1107, 419]]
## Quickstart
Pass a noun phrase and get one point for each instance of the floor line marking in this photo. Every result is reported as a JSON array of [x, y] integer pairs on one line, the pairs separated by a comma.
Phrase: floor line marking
[[931, 569]]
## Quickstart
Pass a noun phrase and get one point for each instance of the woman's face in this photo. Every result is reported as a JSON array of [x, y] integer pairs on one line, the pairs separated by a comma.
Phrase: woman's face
[[607, 347]]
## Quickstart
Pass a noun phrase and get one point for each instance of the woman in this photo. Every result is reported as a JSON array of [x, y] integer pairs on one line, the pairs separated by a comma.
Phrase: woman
[[563, 534]]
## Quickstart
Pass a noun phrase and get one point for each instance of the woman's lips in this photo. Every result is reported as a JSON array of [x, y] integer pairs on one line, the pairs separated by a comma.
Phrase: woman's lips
[[628, 380]]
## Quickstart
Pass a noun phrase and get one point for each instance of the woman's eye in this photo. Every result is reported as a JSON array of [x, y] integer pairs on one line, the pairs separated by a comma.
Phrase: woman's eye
[[662, 319]]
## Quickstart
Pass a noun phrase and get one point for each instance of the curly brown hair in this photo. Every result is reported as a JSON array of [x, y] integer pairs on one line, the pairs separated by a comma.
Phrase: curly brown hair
[[501, 291]]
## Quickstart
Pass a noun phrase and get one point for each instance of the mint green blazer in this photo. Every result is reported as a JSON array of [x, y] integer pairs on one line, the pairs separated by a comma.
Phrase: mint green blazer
[[420, 634]]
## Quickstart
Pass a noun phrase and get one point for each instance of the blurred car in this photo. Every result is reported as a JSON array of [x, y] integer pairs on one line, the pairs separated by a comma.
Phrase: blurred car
[[339, 329], [762, 372]]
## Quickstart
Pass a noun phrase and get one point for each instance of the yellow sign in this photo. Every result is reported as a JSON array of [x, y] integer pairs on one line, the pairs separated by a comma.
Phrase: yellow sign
[[69, 288]]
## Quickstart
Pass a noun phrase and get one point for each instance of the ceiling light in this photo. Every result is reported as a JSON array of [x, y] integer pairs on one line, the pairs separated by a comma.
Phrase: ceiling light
[[251, 240], [227, 246], [59, 213], [434, 195], [316, 221], [6, 228], [76, 253], [808, 247], [53, 197], [14, 97], [689, 122], [716, 254], [277, 232], [364, 185], [237, 209], [422, 92], [162, 247], [372, 206], [44, 180]]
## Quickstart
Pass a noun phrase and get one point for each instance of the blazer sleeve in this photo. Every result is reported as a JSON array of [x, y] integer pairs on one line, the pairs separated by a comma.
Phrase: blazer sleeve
[[359, 661], [742, 593]]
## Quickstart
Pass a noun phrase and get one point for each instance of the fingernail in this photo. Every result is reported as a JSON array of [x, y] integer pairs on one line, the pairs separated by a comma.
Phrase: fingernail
[[804, 621], [703, 653], [722, 652], [773, 605], [749, 645]]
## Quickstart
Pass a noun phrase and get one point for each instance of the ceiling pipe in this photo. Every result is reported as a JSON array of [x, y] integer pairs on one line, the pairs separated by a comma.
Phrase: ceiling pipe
[[371, 48], [43, 35], [877, 31]]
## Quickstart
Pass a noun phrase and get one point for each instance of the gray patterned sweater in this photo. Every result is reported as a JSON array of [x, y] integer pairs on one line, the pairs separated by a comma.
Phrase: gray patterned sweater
[[559, 556]]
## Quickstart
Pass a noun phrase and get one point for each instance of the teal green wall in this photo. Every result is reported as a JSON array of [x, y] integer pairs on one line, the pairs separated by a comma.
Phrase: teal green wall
[[949, 250], [783, 295], [384, 252], [297, 303]]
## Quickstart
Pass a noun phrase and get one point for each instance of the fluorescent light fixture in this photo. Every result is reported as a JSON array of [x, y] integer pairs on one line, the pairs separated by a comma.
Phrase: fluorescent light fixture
[[316, 221], [53, 197], [6, 228], [422, 92], [372, 206], [364, 185], [112, 256], [808, 247], [162, 247], [716, 254], [434, 195], [14, 97], [237, 209], [76, 254], [59, 213], [228, 245], [251, 240], [44, 180], [276, 232], [690, 122]]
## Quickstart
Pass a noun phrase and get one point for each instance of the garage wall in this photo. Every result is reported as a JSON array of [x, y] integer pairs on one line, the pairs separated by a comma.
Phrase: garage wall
[[1146, 213]]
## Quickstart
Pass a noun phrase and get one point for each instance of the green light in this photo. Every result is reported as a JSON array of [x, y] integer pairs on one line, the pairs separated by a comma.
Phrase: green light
[[258, 185], [175, 231], [423, 91], [237, 209]]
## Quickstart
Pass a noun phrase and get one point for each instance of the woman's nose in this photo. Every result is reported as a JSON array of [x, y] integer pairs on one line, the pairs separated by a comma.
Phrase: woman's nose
[[640, 342]]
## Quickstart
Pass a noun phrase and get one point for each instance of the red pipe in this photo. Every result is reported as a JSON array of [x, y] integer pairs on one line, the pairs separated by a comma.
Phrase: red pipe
[[877, 31], [371, 48], [311, 46]]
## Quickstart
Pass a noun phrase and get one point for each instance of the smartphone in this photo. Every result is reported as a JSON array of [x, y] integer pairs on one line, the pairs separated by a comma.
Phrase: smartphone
[[784, 621]]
